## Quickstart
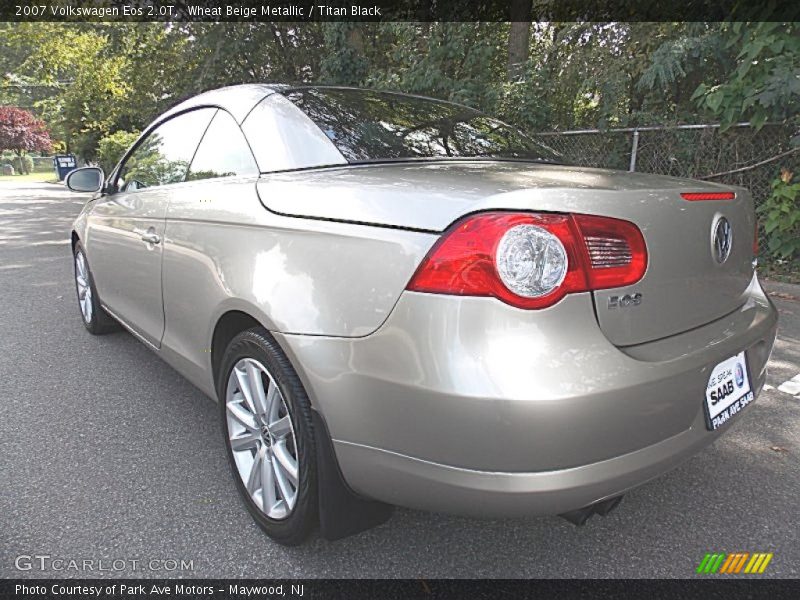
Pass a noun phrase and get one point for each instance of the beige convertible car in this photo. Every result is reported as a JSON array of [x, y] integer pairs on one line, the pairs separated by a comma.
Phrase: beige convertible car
[[402, 301]]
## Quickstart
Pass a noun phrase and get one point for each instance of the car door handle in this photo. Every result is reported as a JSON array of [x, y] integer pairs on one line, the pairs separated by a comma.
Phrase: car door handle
[[150, 237]]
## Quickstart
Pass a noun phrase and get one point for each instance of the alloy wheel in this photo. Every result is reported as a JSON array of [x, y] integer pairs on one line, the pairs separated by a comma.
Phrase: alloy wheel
[[262, 438], [84, 287]]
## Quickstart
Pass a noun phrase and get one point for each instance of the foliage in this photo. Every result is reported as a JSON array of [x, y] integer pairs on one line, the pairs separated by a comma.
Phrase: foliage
[[765, 83], [100, 78], [59, 147], [347, 63], [781, 217], [92, 82], [21, 132], [149, 166], [23, 164], [111, 148]]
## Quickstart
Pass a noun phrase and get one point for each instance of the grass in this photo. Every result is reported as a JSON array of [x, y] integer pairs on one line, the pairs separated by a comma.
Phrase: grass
[[47, 176]]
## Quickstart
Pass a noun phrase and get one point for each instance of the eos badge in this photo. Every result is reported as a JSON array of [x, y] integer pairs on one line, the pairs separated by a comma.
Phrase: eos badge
[[625, 301]]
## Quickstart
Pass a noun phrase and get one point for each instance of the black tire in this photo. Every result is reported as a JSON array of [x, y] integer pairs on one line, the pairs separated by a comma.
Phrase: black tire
[[101, 322], [257, 344]]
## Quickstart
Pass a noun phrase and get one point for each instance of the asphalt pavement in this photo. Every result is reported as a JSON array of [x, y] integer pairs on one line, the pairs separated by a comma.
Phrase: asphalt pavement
[[107, 454]]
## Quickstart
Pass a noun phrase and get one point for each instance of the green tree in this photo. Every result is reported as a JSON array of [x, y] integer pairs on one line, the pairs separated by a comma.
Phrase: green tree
[[765, 82], [346, 63], [112, 147], [76, 58], [518, 38], [91, 79], [781, 217]]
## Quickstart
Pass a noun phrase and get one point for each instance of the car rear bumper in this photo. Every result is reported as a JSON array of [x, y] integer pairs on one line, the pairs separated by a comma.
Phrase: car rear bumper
[[466, 405], [415, 483]]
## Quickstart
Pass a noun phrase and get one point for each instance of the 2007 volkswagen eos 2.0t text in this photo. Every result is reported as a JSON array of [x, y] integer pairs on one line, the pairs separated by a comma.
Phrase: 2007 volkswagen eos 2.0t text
[[402, 301]]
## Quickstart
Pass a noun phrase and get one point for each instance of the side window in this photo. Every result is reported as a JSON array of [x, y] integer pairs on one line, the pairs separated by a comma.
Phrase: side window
[[283, 137], [163, 156], [223, 152]]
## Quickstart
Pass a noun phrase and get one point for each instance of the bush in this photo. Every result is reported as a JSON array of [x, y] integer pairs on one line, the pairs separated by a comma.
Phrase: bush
[[111, 148], [6, 169], [23, 164], [781, 217]]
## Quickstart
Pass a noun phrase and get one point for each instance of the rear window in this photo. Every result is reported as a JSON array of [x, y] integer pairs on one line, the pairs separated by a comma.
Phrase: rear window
[[371, 126]]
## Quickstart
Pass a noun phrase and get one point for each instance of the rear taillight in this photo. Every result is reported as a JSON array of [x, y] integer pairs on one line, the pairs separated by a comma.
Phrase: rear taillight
[[531, 260], [617, 252], [695, 196]]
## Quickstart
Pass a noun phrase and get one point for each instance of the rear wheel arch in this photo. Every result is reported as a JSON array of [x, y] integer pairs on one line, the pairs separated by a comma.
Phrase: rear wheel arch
[[235, 320], [228, 326]]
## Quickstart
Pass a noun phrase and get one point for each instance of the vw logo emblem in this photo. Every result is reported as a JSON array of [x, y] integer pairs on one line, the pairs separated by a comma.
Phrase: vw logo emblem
[[722, 240], [739, 375]]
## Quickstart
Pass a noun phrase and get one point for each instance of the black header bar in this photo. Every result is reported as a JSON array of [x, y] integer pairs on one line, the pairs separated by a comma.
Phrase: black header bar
[[395, 10]]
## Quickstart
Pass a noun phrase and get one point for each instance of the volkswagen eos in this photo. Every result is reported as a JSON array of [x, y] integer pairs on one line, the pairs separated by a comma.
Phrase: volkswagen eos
[[403, 301]]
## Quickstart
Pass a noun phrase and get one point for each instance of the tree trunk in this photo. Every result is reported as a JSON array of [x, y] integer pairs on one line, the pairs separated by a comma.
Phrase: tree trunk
[[211, 61], [519, 38], [355, 39]]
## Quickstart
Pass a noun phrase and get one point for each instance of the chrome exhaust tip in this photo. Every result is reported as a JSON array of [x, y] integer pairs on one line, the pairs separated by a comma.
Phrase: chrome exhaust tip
[[580, 516]]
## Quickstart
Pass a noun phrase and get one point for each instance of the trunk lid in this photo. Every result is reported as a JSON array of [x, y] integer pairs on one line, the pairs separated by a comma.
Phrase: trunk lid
[[684, 285]]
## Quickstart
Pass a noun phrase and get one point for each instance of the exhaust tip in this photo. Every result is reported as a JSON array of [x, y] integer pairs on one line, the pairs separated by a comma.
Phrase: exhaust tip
[[606, 506], [580, 516]]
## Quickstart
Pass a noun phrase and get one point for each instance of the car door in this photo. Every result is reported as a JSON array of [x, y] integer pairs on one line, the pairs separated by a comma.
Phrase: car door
[[207, 235], [126, 227]]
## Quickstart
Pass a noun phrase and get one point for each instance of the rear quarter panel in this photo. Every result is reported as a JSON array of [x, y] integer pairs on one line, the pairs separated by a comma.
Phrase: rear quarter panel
[[224, 251]]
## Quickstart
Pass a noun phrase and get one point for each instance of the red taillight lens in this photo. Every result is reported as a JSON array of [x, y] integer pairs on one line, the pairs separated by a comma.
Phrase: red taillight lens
[[617, 252], [695, 196], [531, 260], [463, 261]]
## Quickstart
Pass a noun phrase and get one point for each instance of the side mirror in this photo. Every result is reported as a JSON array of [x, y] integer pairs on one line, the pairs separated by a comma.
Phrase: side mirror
[[85, 179]]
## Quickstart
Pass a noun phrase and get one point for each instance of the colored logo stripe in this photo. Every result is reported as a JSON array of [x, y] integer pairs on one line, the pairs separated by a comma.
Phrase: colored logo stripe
[[734, 562], [758, 563]]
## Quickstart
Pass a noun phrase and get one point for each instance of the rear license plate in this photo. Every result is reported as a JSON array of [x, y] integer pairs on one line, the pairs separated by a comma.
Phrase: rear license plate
[[728, 391]]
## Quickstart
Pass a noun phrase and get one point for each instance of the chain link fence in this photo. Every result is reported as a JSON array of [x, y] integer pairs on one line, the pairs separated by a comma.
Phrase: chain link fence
[[739, 156], [42, 164], [38, 164]]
